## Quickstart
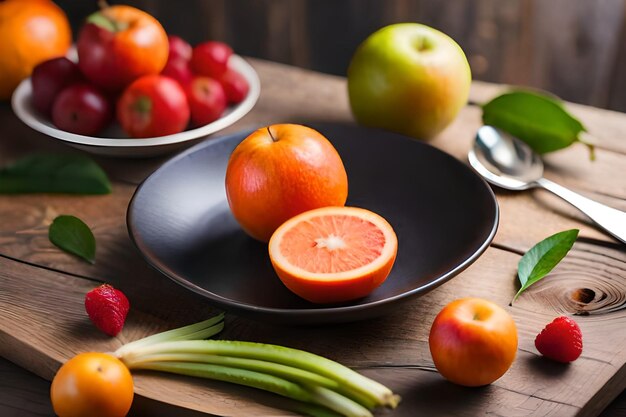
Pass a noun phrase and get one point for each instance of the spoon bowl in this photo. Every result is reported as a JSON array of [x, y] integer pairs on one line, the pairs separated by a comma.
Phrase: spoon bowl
[[509, 163], [504, 160]]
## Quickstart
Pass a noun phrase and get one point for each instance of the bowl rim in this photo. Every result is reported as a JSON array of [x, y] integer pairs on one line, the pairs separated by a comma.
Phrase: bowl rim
[[20, 101]]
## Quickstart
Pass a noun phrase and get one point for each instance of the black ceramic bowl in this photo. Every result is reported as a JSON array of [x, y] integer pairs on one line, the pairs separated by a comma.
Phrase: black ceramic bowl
[[445, 216]]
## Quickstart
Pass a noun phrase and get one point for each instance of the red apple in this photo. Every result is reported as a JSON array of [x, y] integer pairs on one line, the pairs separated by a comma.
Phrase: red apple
[[179, 49], [178, 70], [207, 100], [81, 109], [210, 58], [473, 342], [153, 105], [49, 78], [120, 44], [235, 86]]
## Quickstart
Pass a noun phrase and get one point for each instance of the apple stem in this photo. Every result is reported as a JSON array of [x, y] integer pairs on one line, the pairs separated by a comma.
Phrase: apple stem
[[271, 136], [102, 4]]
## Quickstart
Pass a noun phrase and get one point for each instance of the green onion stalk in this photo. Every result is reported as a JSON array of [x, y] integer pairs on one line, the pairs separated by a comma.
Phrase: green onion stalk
[[319, 386]]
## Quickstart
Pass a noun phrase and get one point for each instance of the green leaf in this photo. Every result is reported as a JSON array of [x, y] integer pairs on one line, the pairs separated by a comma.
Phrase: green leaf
[[72, 235], [49, 173], [538, 119], [102, 21], [543, 257]]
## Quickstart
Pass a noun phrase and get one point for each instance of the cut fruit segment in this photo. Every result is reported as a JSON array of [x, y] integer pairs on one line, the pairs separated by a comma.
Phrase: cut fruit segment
[[333, 254]]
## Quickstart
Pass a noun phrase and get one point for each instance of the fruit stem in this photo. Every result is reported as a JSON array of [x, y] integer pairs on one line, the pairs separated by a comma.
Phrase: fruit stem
[[271, 136], [102, 4]]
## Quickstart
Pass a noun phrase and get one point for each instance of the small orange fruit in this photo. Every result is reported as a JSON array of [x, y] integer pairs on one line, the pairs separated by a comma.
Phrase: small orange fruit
[[473, 342], [333, 254], [92, 385], [31, 31], [280, 171]]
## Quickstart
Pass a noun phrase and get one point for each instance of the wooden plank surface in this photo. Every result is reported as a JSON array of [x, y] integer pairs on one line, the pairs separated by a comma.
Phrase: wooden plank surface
[[37, 279], [24, 394]]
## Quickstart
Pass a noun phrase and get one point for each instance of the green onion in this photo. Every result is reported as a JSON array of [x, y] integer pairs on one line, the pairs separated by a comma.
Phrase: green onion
[[287, 372], [319, 387], [352, 380], [212, 326], [318, 395], [338, 402]]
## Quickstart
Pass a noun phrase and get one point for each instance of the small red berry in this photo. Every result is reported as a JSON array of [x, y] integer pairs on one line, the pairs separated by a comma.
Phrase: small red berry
[[560, 340], [107, 308]]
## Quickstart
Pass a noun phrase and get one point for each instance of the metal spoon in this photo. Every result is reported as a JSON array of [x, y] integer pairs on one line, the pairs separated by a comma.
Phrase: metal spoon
[[507, 162]]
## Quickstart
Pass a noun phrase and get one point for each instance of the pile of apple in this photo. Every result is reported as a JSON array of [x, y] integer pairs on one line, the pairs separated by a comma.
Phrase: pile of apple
[[127, 66]]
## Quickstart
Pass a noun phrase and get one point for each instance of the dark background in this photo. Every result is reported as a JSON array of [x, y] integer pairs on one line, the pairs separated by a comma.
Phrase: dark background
[[573, 48]]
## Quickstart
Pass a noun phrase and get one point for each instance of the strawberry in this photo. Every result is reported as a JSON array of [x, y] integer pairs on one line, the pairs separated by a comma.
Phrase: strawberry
[[560, 340], [107, 308]]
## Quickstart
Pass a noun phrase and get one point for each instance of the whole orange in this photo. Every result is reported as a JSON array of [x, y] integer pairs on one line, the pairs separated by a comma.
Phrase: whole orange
[[473, 342], [31, 31], [92, 385], [280, 171]]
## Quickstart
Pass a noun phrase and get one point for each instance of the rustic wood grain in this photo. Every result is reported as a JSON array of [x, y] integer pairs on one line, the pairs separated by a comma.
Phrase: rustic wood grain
[[20, 395], [55, 303], [587, 42], [617, 100], [533, 387], [25, 394], [617, 408]]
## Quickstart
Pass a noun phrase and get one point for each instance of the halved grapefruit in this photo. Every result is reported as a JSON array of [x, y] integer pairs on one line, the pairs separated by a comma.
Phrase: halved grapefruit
[[333, 254]]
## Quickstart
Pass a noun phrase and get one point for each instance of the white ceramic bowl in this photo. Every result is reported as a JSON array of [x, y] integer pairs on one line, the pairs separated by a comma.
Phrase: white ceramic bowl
[[114, 142]]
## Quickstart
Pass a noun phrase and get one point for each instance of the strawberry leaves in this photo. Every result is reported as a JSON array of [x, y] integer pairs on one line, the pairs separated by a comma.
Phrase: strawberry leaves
[[543, 257], [72, 235]]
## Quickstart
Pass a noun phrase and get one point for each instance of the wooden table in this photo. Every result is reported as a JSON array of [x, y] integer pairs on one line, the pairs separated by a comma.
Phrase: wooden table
[[41, 288]]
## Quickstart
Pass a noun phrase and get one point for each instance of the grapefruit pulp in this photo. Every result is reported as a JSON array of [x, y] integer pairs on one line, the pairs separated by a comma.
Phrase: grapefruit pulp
[[333, 254]]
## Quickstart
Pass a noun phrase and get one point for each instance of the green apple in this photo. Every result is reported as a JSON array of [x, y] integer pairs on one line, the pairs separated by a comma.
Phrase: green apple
[[408, 78]]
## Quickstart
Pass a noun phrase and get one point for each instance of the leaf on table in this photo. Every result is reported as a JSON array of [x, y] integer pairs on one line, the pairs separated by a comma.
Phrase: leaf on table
[[538, 119], [543, 257], [72, 235], [50, 173]]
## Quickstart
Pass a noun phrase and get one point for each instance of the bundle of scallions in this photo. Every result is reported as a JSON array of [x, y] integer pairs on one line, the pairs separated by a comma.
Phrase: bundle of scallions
[[320, 386]]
